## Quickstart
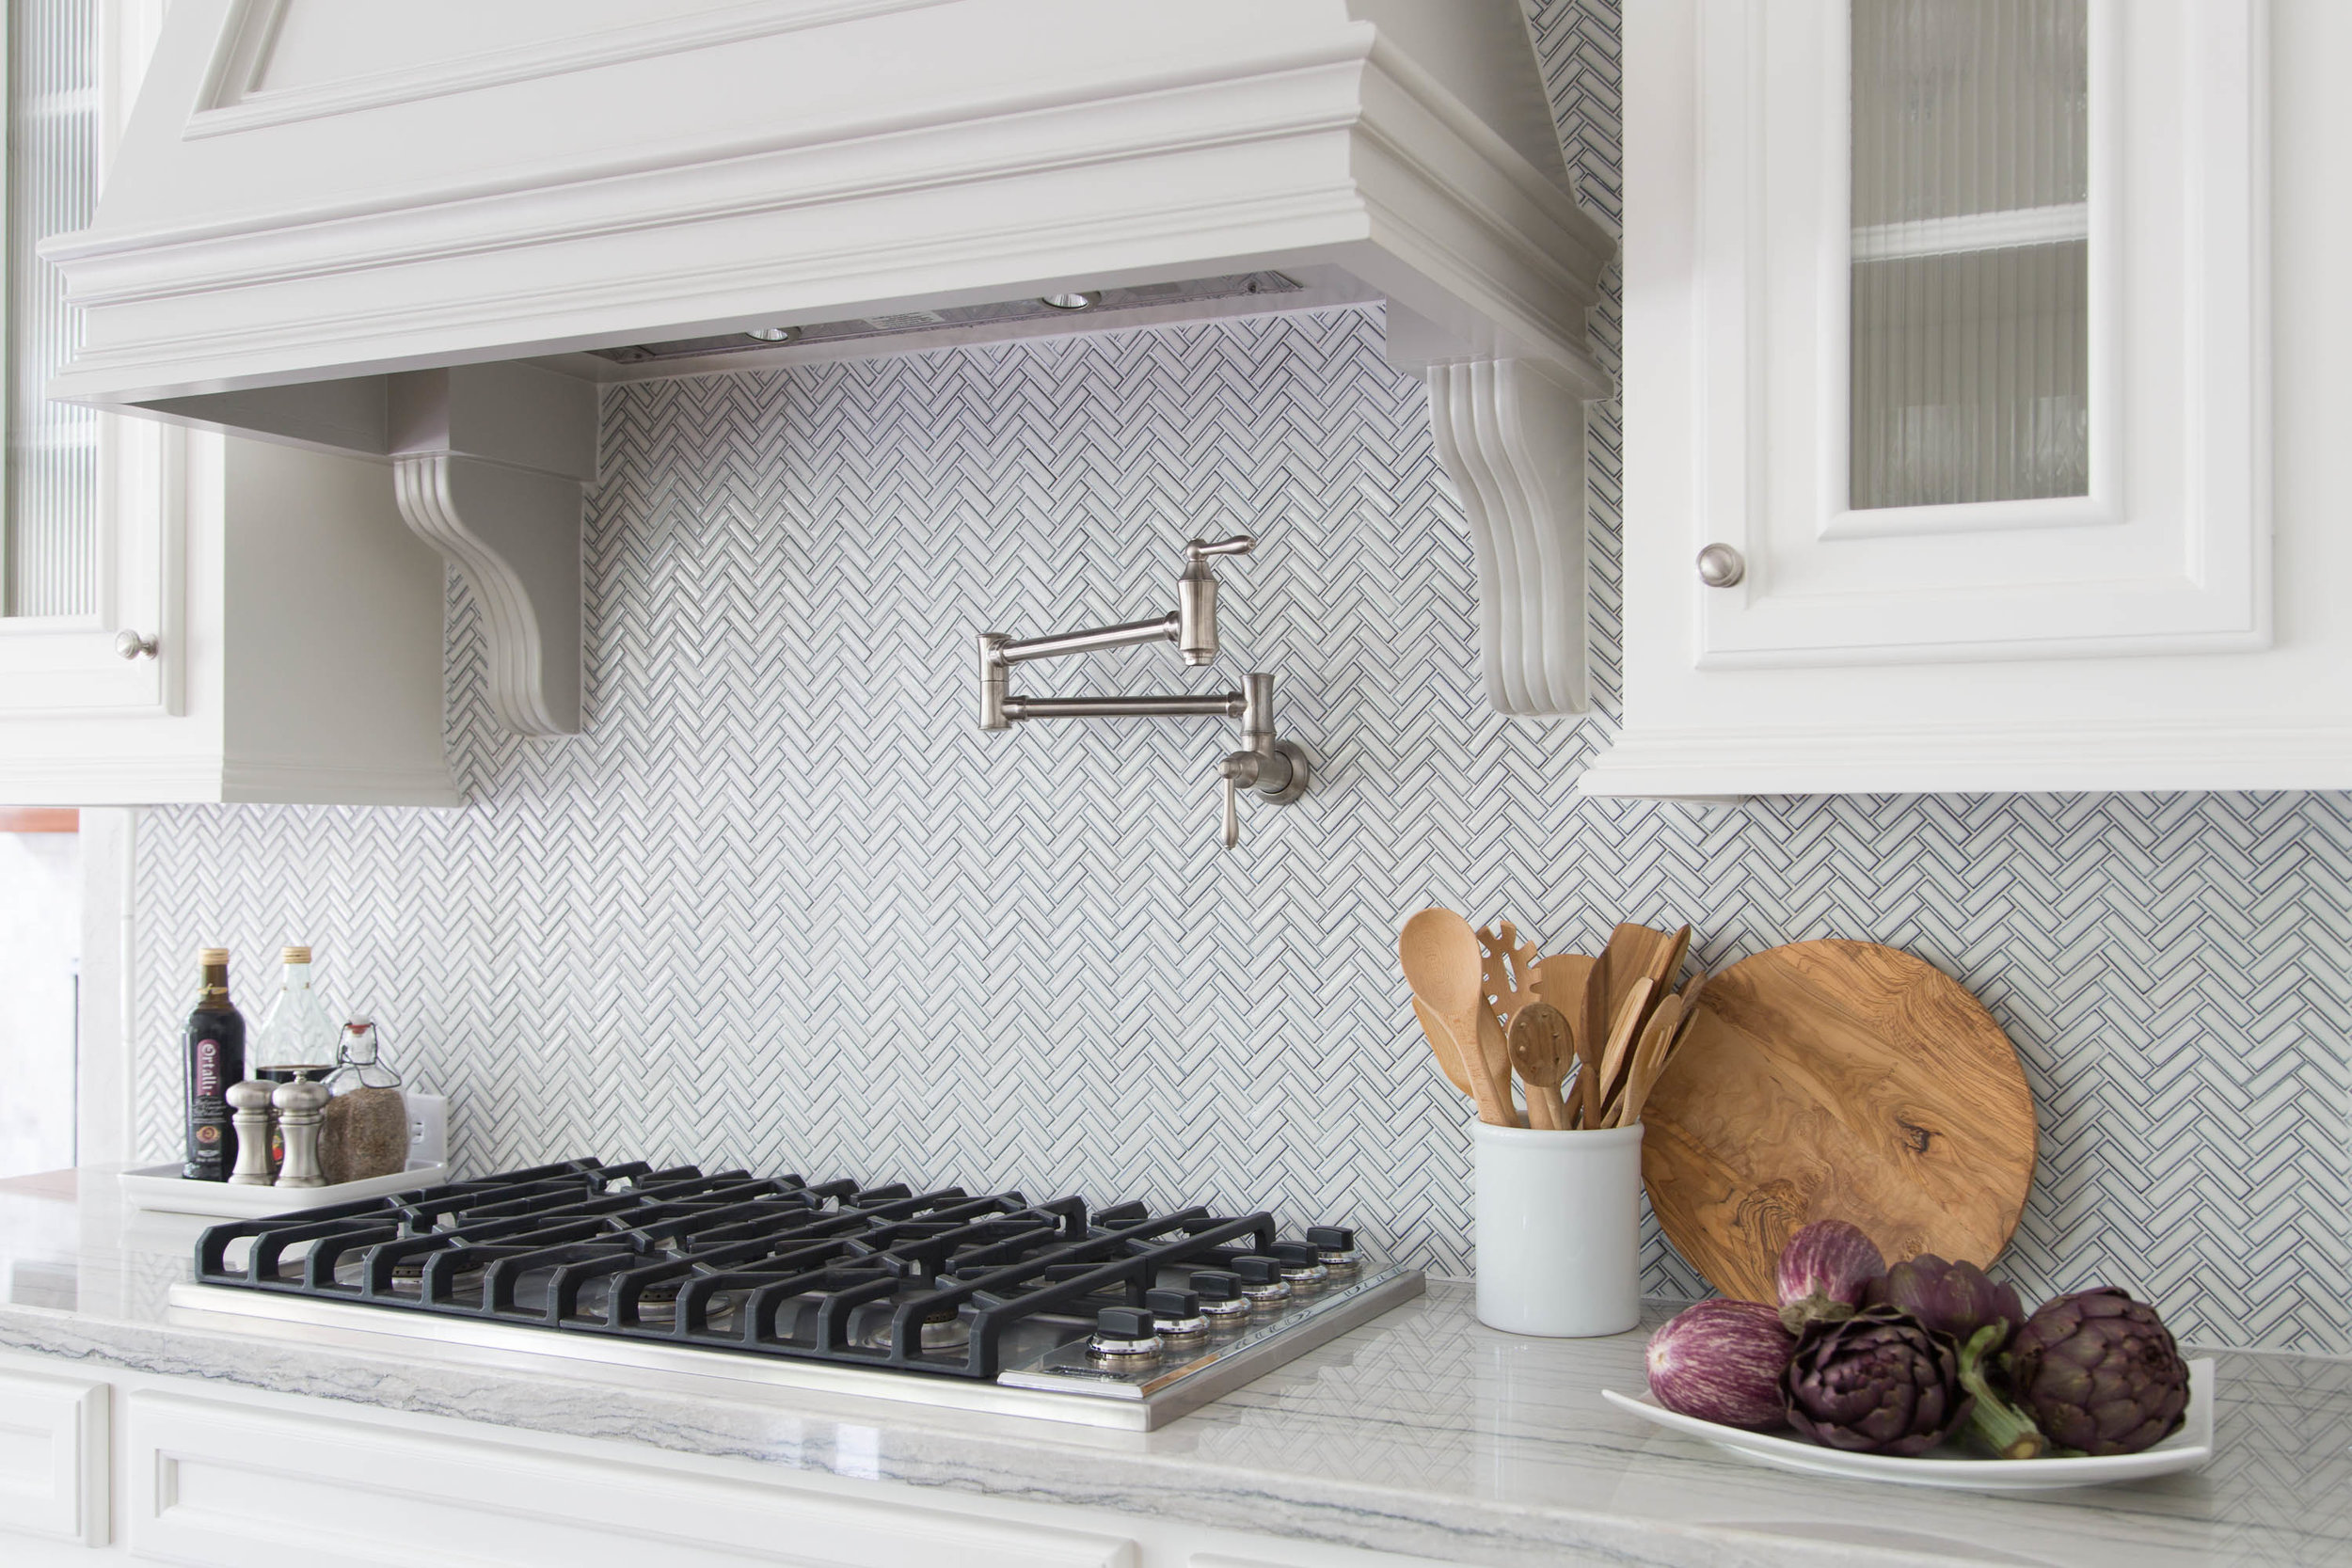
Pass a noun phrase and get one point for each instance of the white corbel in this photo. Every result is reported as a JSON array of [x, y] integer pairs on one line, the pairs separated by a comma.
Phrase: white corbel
[[490, 465], [1511, 435]]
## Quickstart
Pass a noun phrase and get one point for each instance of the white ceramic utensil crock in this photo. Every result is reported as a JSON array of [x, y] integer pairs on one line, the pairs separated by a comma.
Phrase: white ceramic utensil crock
[[1558, 1229]]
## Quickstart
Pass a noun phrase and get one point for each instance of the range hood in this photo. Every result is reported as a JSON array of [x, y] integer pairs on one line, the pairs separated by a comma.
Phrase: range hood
[[425, 233]]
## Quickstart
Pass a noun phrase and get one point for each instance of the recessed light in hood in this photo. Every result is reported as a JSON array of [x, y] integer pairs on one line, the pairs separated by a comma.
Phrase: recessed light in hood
[[1094, 302]]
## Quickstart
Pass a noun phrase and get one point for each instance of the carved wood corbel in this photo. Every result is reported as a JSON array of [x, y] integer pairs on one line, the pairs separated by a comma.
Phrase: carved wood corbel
[[490, 465], [1511, 437]]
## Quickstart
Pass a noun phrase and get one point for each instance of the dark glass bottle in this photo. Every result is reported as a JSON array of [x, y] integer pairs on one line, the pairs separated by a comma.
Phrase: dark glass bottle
[[215, 1055]]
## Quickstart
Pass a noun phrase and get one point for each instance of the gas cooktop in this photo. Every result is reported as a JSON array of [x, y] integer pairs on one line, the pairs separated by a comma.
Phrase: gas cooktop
[[1122, 1316]]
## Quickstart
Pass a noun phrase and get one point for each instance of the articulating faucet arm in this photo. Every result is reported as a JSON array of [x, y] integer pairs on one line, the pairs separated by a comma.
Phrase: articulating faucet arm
[[1276, 769]]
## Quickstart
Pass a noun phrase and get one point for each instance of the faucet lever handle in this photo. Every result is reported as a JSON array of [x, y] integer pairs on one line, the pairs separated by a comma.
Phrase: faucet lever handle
[[1198, 550]]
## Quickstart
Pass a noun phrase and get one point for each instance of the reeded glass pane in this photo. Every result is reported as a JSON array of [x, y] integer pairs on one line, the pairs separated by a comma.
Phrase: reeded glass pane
[[50, 530], [1971, 250]]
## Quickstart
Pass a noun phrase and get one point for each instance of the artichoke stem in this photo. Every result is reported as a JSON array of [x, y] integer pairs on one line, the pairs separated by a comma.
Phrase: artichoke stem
[[2004, 1430]]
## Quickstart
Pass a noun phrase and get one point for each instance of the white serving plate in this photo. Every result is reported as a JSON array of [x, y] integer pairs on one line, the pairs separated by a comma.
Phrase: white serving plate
[[163, 1188], [2185, 1449]]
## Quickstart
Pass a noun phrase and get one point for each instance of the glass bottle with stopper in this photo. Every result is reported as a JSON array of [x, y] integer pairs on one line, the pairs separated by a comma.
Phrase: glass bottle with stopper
[[297, 1041], [365, 1129]]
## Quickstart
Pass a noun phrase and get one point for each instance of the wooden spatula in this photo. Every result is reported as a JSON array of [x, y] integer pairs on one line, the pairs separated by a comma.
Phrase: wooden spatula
[[1651, 1055], [1620, 1049], [1667, 966]]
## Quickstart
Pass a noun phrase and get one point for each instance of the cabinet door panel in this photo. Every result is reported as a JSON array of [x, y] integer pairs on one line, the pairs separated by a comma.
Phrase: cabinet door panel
[[234, 1484], [2168, 552], [53, 1457]]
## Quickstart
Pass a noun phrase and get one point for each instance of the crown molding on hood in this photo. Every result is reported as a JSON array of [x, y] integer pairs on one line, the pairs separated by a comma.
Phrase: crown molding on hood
[[311, 204]]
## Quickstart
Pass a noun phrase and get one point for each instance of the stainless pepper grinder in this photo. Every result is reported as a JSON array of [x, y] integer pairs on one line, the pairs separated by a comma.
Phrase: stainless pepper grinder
[[301, 1104], [249, 1101]]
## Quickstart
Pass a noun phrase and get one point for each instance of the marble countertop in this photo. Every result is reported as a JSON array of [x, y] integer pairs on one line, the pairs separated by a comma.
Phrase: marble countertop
[[1422, 1433]]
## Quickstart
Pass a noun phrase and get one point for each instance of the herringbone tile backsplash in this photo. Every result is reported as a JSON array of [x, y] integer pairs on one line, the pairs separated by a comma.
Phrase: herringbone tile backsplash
[[783, 904]]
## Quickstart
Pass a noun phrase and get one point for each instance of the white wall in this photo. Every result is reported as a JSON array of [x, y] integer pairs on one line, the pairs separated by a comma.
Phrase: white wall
[[40, 946]]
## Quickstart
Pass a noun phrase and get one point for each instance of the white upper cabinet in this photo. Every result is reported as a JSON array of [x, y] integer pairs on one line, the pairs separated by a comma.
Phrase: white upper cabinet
[[182, 616], [1948, 386]]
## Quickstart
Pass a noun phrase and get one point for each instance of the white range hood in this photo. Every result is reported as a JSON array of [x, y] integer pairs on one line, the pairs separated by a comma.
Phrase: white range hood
[[424, 232]]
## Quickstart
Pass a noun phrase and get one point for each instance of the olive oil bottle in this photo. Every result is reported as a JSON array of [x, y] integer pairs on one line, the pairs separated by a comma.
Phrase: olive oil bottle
[[214, 1046]]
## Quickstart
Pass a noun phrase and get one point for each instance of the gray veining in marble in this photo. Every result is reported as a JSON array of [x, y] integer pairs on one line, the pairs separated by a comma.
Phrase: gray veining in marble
[[1423, 1432]]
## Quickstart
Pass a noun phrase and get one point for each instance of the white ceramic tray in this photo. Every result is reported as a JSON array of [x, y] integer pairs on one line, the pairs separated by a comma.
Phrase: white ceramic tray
[[162, 1187], [2185, 1449]]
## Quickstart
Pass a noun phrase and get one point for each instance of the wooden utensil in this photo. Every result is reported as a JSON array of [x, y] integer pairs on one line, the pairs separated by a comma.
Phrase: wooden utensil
[[1510, 967], [1440, 952], [1650, 1054], [1837, 1080], [1631, 953], [1667, 963], [1543, 1049], [1561, 980], [1443, 1046], [1618, 1054]]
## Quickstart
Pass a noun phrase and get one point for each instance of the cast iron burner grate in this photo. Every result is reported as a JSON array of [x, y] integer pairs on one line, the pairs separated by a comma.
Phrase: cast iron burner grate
[[943, 1281]]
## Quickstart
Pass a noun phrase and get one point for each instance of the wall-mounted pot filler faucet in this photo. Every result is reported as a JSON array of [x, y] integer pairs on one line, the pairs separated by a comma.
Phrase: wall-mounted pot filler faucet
[[1274, 767]]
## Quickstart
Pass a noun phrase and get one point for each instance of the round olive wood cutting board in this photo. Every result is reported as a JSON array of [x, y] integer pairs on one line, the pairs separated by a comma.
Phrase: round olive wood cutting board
[[1837, 1080]]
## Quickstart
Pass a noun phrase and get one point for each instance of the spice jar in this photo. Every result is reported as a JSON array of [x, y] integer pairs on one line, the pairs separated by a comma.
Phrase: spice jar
[[365, 1132]]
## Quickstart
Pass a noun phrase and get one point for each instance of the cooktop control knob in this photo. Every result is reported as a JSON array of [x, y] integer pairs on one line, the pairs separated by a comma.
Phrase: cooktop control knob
[[1302, 1266], [1221, 1301], [1123, 1333], [1262, 1282], [1175, 1315], [1336, 1245]]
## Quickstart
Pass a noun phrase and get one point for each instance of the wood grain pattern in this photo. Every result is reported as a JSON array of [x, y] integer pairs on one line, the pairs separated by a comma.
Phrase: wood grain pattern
[[1837, 1080], [1441, 1045]]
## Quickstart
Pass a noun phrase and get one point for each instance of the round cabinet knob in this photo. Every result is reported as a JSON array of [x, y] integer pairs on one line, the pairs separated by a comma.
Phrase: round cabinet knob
[[130, 644], [1720, 567]]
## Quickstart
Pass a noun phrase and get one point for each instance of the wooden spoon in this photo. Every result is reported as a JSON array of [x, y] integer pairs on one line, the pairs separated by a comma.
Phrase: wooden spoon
[[1443, 1046], [1659, 1037], [1440, 952], [1542, 1048]]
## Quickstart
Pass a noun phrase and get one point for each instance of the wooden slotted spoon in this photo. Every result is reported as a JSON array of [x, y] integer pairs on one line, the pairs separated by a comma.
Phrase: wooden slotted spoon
[[1543, 1049]]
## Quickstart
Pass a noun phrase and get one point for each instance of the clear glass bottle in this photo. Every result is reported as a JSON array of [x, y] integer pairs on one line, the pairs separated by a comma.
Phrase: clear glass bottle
[[365, 1129], [296, 1039]]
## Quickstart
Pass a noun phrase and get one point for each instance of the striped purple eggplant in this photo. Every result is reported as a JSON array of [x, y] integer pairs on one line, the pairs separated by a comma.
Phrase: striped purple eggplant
[[1824, 1272], [1721, 1361]]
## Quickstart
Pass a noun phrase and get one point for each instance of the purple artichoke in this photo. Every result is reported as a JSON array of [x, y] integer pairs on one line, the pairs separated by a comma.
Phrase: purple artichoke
[[1721, 1361], [1824, 1270], [1956, 1299], [1875, 1383], [2099, 1373]]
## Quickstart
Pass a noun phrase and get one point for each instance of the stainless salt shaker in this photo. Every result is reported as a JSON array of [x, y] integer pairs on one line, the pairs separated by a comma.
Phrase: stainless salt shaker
[[249, 1101], [299, 1106]]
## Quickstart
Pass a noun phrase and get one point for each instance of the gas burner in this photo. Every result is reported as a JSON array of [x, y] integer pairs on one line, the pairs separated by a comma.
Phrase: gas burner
[[1056, 1295]]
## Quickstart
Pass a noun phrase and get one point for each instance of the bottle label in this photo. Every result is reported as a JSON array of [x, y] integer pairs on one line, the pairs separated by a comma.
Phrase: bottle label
[[208, 1084]]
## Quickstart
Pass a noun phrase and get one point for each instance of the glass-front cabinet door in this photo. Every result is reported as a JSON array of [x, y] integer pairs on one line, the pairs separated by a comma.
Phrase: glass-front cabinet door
[[87, 552], [1976, 303]]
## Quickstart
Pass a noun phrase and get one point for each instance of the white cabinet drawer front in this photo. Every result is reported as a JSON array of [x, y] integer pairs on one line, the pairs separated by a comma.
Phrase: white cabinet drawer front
[[53, 1457], [217, 1482]]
